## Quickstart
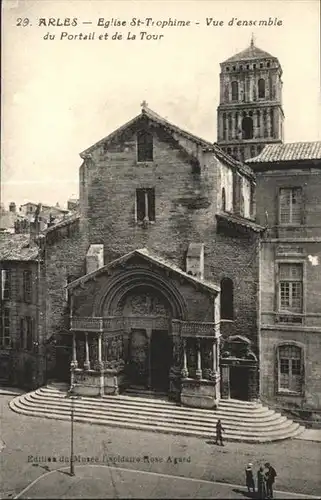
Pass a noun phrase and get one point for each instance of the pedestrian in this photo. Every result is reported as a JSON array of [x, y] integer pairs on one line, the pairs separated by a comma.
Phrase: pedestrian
[[249, 478], [219, 432], [261, 483], [270, 478]]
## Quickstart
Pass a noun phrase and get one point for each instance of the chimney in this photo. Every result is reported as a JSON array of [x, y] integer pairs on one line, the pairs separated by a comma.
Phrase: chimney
[[195, 260], [12, 207], [94, 258]]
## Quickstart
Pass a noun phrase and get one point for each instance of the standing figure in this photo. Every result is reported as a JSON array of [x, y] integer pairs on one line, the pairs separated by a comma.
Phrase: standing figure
[[270, 478], [261, 484], [219, 431], [249, 478]]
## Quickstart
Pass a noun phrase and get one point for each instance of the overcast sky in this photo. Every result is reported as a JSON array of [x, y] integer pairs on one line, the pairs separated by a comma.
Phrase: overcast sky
[[61, 96]]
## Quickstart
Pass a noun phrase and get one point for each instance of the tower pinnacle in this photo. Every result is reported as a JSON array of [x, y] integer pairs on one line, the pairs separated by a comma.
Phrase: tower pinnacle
[[252, 40]]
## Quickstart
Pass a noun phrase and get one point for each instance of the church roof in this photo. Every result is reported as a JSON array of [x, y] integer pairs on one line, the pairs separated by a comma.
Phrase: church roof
[[252, 52], [151, 257], [156, 118], [294, 151], [171, 127]]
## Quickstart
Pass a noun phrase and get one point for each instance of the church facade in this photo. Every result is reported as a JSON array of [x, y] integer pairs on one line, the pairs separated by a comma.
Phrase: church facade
[[170, 288]]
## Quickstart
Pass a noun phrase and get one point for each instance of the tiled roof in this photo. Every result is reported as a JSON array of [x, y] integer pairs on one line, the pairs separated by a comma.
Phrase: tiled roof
[[252, 52], [159, 261], [241, 221], [294, 151], [17, 247]]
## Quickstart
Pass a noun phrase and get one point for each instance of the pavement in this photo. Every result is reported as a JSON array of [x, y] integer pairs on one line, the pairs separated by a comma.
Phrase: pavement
[[103, 481], [34, 447]]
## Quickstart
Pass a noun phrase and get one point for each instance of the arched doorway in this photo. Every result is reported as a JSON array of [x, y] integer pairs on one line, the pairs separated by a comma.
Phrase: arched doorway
[[147, 315]]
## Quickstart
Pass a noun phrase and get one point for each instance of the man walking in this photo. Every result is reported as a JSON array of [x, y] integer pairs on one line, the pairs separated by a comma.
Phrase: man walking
[[219, 431], [270, 478]]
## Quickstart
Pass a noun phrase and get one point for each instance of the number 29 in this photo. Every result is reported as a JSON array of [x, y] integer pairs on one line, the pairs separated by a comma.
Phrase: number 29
[[22, 22]]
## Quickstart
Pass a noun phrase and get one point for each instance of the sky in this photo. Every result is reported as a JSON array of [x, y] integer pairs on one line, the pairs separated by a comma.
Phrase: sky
[[61, 96]]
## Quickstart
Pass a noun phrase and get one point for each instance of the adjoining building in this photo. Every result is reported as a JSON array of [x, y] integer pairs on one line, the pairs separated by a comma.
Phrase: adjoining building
[[22, 335], [288, 187]]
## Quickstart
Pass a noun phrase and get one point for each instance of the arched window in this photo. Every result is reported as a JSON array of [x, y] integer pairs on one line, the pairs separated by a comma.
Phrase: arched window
[[247, 128], [144, 145], [223, 200], [235, 91], [227, 310], [290, 368], [261, 88]]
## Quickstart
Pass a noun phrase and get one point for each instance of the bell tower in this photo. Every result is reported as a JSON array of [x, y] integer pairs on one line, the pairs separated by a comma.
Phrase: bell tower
[[250, 113]]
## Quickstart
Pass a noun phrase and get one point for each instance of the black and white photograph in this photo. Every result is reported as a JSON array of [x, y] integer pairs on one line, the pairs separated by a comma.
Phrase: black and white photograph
[[160, 249]]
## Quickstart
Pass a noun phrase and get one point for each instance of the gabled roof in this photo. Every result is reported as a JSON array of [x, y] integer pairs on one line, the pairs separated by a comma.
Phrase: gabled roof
[[252, 52], [156, 119], [151, 257], [295, 151], [17, 247]]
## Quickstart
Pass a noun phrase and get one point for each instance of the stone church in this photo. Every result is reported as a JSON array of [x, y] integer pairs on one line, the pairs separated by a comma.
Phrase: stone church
[[169, 299], [156, 284]]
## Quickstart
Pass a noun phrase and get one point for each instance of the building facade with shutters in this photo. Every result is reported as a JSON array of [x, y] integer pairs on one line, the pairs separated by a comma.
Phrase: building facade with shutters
[[288, 187]]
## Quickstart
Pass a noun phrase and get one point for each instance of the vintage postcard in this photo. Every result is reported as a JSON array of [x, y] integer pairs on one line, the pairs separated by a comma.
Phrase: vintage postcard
[[160, 249]]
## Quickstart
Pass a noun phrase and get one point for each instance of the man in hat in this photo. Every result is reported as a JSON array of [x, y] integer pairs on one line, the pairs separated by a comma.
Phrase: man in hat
[[270, 478], [249, 478]]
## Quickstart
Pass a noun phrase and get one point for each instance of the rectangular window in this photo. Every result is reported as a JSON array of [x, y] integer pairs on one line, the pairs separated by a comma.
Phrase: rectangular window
[[5, 284], [144, 146], [290, 368], [290, 206], [291, 288], [27, 286], [5, 328], [145, 204]]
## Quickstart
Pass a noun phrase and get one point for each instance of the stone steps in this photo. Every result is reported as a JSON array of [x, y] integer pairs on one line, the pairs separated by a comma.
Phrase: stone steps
[[242, 421]]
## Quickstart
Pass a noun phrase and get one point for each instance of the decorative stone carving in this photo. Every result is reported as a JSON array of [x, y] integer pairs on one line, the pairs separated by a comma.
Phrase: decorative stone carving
[[142, 304], [207, 358], [191, 356], [239, 347], [80, 349], [177, 351]]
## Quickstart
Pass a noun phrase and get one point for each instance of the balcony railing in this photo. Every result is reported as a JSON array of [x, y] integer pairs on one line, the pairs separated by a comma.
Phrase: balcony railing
[[86, 324], [117, 323]]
